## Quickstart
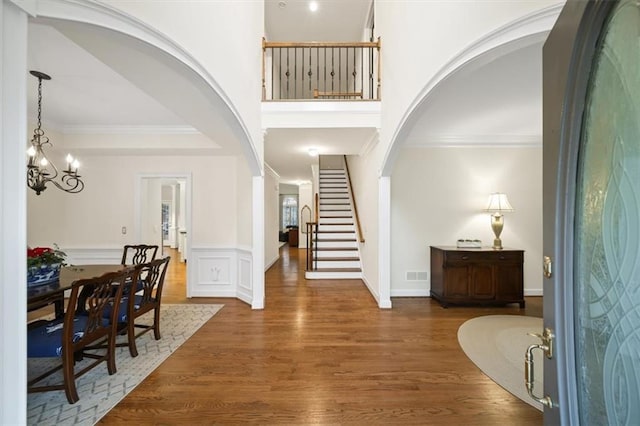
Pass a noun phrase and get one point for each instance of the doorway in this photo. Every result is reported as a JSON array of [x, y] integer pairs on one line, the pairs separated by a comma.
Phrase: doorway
[[163, 212]]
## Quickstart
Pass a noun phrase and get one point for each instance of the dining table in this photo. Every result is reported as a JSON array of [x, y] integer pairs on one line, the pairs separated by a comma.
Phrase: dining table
[[39, 296]]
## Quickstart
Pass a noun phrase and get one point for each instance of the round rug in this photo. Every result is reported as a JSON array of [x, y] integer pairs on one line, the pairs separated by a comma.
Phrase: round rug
[[497, 345]]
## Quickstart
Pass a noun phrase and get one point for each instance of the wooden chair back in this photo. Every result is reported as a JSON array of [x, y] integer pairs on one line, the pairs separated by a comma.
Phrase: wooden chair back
[[84, 328], [138, 254], [148, 297]]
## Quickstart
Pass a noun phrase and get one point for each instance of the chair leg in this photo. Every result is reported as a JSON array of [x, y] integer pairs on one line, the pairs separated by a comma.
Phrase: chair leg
[[156, 323], [68, 375], [111, 352], [131, 336]]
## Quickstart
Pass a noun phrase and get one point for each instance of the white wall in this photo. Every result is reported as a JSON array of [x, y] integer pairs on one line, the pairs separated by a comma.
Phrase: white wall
[[305, 198], [218, 33], [437, 197], [364, 180], [243, 210], [407, 26], [94, 218], [271, 217]]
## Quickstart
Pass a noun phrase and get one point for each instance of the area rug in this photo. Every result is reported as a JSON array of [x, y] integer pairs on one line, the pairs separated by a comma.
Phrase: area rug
[[497, 345], [100, 392]]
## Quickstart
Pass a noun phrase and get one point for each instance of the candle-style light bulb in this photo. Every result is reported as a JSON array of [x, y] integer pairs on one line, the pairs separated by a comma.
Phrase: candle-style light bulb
[[44, 162], [75, 165], [31, 152]]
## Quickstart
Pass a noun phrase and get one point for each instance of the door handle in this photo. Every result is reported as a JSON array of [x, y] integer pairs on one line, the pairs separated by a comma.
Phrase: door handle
[[547, 348], [547, 267]]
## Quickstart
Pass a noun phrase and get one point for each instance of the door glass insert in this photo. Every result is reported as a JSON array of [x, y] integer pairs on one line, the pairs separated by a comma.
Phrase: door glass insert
[[607, 229]]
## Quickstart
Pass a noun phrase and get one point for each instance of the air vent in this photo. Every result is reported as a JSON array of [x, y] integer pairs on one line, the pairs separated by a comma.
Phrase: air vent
[[417, 276]]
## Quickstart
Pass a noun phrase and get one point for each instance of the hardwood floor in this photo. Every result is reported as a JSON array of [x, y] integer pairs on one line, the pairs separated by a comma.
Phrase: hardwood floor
[[321, 352]]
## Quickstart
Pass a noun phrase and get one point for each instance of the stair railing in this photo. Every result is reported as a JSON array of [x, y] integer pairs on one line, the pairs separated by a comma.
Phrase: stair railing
[[321, 70], [312, 237], [353, 200], [312, 242]]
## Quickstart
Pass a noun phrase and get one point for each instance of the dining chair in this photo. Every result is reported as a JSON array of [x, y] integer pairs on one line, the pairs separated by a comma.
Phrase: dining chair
[[74, 336], [148, 296], [138, 254]]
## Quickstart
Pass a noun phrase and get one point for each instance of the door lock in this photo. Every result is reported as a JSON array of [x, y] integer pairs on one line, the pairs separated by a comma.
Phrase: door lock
[[547, 348]]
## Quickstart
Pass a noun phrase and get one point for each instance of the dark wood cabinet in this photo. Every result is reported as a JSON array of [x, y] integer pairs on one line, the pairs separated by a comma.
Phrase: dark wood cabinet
[[477, 276]]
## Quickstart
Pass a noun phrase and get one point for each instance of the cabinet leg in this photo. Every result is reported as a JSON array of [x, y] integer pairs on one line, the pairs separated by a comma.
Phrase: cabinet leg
[[522, 305]]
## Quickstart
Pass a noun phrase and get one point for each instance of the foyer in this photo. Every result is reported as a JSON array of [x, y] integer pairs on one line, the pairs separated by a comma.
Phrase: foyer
[[322, 352]]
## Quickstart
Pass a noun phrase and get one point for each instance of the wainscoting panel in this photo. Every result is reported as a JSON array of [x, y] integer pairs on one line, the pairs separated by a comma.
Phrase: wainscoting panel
[[245, 281], [221, 272]]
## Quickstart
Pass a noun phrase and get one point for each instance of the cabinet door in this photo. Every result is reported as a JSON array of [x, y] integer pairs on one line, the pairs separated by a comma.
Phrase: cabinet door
[[457, 282], [482, 285], [509, 281]]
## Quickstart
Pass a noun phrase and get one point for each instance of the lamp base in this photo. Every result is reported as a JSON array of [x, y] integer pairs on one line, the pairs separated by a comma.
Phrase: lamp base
[[497, 223]]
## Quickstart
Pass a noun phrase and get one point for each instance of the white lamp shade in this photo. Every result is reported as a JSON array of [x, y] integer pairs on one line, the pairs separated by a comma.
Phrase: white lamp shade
[[498, 202]]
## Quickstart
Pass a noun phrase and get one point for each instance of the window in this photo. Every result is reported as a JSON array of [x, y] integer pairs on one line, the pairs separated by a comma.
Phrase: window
[[289, 211]]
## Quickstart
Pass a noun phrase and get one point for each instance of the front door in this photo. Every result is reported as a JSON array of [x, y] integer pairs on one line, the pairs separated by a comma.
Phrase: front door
[[592, 214]]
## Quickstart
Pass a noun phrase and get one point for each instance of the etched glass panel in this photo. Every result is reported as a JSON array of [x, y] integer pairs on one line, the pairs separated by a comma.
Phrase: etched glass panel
[[607, 229]]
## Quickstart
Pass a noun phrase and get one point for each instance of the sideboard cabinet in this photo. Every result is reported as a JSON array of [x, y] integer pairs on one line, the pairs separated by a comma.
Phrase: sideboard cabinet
[[477, 276]]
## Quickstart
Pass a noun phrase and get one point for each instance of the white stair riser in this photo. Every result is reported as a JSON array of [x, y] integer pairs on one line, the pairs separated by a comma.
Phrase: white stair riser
[[336, 214], [338, 172], [335, 207], [336, 236], [341, 196], [337, 244], [333, 275], [336, 264], [336, 253], [330, 204], [336, 221], [337, 228]]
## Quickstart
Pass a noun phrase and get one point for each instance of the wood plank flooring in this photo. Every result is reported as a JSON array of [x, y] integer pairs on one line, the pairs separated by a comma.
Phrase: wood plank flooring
[[321, 352]]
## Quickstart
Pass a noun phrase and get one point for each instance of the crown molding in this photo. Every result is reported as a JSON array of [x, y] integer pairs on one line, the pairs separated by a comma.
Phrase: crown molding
[[476, 141], [129, 130]]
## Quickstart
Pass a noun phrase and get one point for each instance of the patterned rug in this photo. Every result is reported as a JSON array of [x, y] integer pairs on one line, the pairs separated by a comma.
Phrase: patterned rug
[[497, 344], [100, 392]]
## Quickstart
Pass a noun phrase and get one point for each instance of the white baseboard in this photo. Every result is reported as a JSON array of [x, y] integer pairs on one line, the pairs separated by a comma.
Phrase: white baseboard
[[533, 292], [418, 292]]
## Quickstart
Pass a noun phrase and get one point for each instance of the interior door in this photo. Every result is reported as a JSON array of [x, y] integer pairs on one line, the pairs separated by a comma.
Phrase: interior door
[[592, 214]]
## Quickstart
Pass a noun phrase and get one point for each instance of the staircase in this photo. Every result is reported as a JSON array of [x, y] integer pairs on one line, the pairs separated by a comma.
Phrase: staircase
[[335, 251]]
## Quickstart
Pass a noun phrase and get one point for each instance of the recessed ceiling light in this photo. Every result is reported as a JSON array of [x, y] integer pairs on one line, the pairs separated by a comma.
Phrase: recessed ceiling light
[[313, 6], [313, 152], [282, 4]]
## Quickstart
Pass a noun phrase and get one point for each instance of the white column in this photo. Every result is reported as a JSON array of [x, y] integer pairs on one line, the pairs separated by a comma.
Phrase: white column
[[13, 215], [257, 231], [384, 241]]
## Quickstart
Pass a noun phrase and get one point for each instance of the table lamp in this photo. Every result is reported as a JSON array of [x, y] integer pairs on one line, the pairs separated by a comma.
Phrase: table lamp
[[498, 203]]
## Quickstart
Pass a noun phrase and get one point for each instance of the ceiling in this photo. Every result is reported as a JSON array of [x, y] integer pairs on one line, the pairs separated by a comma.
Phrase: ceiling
[[85, 92]]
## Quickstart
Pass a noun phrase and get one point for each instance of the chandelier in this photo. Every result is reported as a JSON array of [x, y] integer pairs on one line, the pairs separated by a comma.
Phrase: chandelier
[[40, 170]]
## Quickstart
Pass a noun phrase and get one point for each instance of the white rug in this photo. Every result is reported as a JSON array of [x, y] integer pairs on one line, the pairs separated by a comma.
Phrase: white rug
[[497, 345], [100, 392]]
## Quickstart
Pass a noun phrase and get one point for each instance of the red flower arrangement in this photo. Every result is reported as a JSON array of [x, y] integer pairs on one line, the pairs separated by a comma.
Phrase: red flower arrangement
[[39, 256]]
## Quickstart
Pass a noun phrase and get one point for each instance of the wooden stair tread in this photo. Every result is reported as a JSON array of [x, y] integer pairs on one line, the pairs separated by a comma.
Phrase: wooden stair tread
[[335, 248], [335, 240], [336, 232], [336, 259], [337, 270]]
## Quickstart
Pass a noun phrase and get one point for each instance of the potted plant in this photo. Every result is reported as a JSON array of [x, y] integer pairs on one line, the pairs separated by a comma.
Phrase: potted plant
[[43, 264]]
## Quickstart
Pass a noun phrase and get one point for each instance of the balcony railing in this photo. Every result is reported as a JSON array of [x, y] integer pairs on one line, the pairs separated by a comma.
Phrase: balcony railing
[[318, 70]]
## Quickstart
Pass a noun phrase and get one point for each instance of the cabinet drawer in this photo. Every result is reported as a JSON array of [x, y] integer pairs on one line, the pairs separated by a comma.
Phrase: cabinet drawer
[[462, 257], [459, 257]]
